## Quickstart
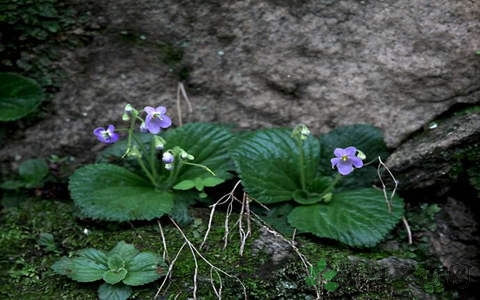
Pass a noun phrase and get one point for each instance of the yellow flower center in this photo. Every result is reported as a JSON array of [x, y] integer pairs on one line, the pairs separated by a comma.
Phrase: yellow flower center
[[344, 158]]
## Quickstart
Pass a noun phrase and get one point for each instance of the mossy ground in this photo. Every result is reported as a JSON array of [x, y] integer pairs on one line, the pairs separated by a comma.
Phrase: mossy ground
[[26, 274]]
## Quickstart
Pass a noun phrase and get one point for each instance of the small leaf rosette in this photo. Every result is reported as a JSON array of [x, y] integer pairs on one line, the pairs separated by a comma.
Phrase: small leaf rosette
[[124, 263]]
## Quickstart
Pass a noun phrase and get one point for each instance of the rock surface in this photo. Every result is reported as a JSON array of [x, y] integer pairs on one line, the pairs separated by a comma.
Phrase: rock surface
[[433, 161], [441, 163], [456, 242], [394, 64]]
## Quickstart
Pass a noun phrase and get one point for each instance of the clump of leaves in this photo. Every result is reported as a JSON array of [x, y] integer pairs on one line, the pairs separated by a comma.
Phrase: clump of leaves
[[32, 173], [122, 267], [294, 176], [120, 193], [319, 275]]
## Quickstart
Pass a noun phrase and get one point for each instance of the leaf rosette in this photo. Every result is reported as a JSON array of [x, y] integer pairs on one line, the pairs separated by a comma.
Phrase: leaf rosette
[[297, 180]]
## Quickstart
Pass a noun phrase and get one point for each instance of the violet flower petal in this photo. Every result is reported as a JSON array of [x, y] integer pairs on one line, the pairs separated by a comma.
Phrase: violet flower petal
[[339, 152], [334, 161], [161, 110], [165, 122], [350, 151], [153, 126], [344, 167], [149, 110], [357, 162]]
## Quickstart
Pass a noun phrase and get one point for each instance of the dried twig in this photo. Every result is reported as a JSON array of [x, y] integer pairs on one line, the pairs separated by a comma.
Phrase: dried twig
[[245, 210], [169, 272], [195, 252], [224, 199], [181, 91], [409, 232], [384, 188], [164, 242], [389, 199]]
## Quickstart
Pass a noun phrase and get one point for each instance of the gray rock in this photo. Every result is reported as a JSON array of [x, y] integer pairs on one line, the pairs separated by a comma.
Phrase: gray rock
[[456, 241], [434, 159], [394, 64]]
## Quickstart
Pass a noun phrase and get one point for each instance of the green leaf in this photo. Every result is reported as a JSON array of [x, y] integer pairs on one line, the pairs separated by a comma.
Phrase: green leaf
[[321, 265], [212, 181], [46, 240], [109, 192], [144, 268], [115, 262], [268, 164], [12, 185], [18, 96], [208, 143], [198, 184], [94, 255], [114, 292], [33, 171], [184, 185], [113, 277], [124, 250], [276, 217], [310, 281], [117, 150], [80, 269], [331, 286], [329, 275], [357, 218], [179, 211]]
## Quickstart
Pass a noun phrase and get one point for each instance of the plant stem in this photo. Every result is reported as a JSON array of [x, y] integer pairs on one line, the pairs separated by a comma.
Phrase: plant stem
[[153, 160], [174, 172], [301, 162], [130, 134], [146, 171], [201, 166], [333, 184]]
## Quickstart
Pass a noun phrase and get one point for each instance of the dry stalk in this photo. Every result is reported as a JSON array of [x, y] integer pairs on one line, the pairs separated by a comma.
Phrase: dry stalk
[[164, 242], [227, 198], [169, 272], [181, 92], [249, 215], [388, 198], [245, 210], [218, 292], [196, 253]]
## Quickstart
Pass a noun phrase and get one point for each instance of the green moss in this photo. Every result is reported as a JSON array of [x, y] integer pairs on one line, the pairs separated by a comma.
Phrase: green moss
[[26, 264]]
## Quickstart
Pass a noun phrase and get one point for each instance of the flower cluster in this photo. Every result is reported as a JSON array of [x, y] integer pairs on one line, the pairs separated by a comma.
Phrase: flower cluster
[[154, 122], [169, 157]]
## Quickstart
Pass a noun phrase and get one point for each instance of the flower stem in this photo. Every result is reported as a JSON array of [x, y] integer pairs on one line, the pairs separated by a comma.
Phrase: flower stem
[[153, 160], [333, 184], [130, 134], [301, 163], [174, 173], [146, 171], [201, 166]]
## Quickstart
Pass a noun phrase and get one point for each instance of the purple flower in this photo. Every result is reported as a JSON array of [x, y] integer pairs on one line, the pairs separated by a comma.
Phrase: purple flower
[[156, 119], [345, 160], [107, 136]]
